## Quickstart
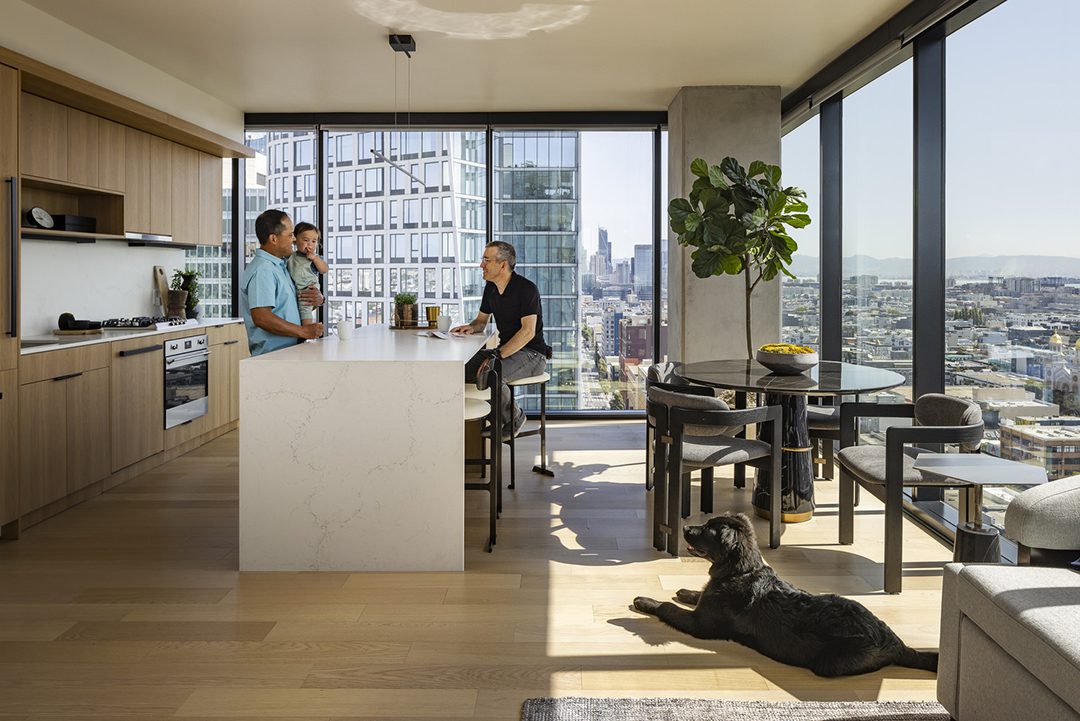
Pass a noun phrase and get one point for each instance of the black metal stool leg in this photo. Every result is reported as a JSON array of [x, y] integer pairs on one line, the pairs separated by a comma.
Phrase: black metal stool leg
[[542, 469], [513, 461]]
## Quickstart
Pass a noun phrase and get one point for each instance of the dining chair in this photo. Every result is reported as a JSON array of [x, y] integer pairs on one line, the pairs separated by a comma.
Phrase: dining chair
[[668, 374], [696, 430], [886, 470]]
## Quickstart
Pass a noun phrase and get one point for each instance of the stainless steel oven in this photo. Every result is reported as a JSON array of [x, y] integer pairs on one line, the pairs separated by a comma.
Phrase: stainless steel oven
[[187, 376]]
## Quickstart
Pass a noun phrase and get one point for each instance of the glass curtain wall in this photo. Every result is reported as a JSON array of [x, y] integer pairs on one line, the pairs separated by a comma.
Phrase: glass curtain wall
[[801, 298], [405, 213], [281, 175], [577, 206], [1012, 299], [877, 225]]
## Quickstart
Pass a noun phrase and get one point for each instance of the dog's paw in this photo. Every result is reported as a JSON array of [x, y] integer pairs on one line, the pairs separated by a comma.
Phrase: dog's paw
[[646, 605], [685, 595]]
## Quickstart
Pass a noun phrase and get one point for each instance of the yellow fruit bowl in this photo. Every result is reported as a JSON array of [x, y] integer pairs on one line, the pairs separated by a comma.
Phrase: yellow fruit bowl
[[785, 359]]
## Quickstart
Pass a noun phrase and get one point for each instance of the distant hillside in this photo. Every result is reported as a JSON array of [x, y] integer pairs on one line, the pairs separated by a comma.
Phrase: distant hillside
[[972, 266]]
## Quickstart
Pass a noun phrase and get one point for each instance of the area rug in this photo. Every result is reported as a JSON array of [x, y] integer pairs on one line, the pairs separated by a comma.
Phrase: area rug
[[688, 709]]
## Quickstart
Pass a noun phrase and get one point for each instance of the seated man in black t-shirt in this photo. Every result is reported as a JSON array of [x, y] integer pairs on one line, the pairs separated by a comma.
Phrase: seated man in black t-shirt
[[515, 302]]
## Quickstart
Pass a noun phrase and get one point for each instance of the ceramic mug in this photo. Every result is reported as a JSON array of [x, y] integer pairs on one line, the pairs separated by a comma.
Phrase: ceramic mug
[[345, 329], [445, 321]]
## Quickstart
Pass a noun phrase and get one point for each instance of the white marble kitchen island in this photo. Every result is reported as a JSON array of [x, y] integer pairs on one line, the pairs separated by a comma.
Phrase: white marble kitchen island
[[352, 454]]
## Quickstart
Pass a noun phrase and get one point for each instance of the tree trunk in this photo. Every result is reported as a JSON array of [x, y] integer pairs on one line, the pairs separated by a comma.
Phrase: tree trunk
[[749, 289]]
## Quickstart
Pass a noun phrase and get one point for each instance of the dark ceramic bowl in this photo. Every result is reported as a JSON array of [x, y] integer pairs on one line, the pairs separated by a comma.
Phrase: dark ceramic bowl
[[787, 364]]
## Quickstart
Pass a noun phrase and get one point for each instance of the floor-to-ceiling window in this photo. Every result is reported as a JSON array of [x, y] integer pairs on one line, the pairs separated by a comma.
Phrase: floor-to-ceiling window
[[1012, 324], [800, 161], [877, 224]]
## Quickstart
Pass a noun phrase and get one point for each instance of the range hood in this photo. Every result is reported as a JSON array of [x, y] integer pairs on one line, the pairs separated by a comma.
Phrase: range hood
[[154, 240]]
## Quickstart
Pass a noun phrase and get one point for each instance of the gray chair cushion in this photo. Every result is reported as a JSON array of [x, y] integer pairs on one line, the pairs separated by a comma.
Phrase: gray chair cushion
[[867, 463], [1032, 613], [938, 409], [705, 452], [1046, 516], [673, 399], [823, 418]]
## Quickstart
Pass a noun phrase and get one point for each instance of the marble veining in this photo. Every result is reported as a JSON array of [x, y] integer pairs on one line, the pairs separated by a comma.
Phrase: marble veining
[[353, 465]]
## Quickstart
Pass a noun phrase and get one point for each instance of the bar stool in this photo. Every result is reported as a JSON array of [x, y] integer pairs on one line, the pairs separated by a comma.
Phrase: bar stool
[[476, 409], [542, 381]]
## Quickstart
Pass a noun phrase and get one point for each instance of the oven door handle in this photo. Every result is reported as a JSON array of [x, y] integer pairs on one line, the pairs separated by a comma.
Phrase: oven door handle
[[187, 358]]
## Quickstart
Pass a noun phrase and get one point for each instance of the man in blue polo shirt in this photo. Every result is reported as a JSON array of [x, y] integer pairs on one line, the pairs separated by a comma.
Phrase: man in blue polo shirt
[[267, 293]]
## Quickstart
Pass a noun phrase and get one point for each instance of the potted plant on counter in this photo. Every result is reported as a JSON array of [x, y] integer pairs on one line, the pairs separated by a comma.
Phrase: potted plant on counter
[[406, 312], [736, 219], [188, 280]]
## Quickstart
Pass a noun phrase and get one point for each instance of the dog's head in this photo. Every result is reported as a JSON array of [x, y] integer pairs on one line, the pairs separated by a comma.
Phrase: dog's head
[[728, 542]]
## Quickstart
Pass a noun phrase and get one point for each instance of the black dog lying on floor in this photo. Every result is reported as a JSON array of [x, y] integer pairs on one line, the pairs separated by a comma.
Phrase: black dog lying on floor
[[744, 601]]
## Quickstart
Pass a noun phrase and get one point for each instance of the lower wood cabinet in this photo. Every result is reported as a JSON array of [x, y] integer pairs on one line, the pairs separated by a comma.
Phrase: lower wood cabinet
[[64, 436], [9, 447], [137, 400]]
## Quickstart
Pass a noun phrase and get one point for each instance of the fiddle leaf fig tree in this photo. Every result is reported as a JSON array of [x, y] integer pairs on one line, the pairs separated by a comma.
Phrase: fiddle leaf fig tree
[[737, 221]]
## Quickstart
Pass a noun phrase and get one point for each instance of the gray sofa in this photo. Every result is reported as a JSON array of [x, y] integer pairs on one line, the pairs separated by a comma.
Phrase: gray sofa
[[1010, 643]]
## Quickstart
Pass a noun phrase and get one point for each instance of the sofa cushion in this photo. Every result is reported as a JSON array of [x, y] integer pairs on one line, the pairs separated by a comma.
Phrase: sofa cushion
[[1033, 613], [1046, 516]]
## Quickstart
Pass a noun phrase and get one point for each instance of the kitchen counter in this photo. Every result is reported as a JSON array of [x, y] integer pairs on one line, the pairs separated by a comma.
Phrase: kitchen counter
[[352, 454], [46, 343]]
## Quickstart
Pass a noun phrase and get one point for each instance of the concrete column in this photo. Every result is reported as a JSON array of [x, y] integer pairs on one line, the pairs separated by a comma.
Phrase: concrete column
[[706, 316]]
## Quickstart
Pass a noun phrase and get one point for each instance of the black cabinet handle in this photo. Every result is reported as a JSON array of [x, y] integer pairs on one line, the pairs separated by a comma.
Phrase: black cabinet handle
[[13, 322], [69, 375], [230, 342], [137, 351]]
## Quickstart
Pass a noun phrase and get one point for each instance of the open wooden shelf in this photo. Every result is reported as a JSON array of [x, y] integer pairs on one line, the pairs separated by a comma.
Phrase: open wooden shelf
[[69, 235], [59, 186]]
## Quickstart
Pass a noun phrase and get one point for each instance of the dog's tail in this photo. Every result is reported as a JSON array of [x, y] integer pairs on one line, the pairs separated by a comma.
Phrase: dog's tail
[[926, 660]]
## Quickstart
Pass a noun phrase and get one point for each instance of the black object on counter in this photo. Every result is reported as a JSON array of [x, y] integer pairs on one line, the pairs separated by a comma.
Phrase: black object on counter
[[77, 223], [67, 321]]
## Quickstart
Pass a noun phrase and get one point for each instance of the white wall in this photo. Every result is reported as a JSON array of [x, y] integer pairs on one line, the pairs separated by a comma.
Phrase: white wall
[[93, 281], [38, 35]]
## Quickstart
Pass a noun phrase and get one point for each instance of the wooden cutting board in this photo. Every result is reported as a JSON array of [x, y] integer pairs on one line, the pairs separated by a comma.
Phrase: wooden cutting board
[[162, 285], [95, 331]]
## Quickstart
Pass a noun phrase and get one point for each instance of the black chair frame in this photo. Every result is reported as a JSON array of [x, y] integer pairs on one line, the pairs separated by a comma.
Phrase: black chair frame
[[892, 493], [670, 425], [493, 482]]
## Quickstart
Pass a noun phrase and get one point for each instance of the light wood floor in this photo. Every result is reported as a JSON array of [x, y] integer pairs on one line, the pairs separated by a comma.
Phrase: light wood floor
[[130, 605]]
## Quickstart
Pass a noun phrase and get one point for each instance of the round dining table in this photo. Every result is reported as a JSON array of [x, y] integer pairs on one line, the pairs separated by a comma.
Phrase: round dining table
[[827, 378]]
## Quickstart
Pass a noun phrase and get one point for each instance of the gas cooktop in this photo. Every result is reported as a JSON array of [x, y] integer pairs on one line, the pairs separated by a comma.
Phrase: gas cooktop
[[144, 322]]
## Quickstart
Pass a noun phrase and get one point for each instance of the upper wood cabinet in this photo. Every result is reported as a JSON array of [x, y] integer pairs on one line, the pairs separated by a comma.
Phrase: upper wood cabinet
[[82, 148], [161, 186], [112, 155], [137, 181], [210, 200], [9, 168], [185, 194], [43, 132]]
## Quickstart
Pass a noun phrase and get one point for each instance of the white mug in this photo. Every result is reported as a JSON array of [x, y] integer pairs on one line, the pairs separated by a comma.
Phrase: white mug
[[445, 321], [345, 329]]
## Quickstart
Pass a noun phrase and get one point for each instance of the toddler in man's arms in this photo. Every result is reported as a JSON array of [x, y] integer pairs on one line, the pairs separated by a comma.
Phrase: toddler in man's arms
[[305, 266]]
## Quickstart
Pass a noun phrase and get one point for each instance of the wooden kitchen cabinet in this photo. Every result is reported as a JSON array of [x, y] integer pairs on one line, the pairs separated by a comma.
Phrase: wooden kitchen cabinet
[[43, 145], [137, 181], [82, 148], [9, 453], [112, 155], [64, 403], [43, 437], [185, 194], [229, 343], [137, 400], [210, 200], [9, 168], [89, 440], [161, 186]]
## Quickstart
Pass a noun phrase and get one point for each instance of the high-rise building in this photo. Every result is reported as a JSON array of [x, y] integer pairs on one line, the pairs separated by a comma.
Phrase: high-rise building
[[643, 269], [623, 274], [604, 251]]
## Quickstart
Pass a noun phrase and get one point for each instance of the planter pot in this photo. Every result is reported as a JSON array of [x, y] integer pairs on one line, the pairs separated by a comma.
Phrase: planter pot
[[177, 303], [406, 316]]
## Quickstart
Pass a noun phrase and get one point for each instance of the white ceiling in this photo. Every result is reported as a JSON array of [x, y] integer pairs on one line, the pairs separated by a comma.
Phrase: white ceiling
[[475, 55]]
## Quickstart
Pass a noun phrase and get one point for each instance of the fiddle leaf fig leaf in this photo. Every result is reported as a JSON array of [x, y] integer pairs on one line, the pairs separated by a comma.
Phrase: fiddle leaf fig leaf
[[699, 168]]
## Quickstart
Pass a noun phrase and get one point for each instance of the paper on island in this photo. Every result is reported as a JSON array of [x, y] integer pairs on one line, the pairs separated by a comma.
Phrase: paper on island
[[434, 334]]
